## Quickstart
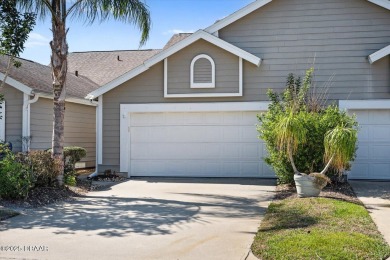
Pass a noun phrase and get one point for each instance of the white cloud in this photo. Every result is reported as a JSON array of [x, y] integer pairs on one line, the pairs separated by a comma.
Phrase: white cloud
[[176, 31], [36, 39]]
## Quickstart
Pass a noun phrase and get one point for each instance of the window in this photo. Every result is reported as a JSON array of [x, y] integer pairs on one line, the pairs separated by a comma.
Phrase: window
[[202, 72], [2, 121]]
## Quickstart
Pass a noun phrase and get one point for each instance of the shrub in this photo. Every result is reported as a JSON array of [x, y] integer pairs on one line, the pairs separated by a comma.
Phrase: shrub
[[42, 167], [317, 120], [72, 155], [15, 178]]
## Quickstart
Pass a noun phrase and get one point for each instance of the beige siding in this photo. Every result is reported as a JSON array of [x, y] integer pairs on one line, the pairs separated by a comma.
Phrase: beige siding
[[335, 36], [80, 128], [13, 116], [226, 67]]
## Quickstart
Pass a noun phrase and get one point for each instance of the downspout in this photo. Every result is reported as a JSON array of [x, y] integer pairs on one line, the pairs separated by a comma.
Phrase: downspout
[[97, 124], [26, 125]]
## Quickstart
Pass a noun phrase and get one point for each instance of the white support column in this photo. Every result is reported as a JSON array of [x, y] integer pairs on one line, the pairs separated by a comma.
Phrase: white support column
[[241, 77], [2, 121], [165, 77], [99, 131]]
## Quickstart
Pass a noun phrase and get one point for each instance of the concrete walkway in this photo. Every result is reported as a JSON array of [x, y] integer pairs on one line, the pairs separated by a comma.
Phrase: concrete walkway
[[376, 198], [146, 219]]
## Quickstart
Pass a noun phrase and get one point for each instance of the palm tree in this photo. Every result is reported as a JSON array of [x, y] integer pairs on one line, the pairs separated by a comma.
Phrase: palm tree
[[132, 11]]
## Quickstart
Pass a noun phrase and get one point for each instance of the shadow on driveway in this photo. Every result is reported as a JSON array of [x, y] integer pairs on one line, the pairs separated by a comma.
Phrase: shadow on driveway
[[115, 216]]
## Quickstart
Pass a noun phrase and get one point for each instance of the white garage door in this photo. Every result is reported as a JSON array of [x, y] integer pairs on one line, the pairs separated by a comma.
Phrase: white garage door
[[373, 155], [206, 144]]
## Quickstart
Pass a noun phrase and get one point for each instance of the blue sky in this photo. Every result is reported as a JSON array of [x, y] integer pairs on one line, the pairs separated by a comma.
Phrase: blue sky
[[168, 17]]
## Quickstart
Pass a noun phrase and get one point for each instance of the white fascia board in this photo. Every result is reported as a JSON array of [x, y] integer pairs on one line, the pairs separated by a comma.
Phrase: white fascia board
[[383, 3], [364, 104], [209, 38], [379, 54], [194, 107], [70, 99], [237, 15], [168, 52], [16, 84]]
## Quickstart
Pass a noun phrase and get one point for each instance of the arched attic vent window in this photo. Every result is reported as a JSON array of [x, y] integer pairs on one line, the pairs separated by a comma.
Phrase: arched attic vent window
[[202, 72]]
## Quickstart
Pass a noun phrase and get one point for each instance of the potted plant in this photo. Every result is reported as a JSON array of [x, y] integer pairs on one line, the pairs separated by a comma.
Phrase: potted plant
[[339, 142], [306, 138]]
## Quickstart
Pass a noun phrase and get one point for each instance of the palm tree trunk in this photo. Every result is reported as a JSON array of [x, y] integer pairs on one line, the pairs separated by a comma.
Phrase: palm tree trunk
[[327, 166], [59, 66], [290, 156]]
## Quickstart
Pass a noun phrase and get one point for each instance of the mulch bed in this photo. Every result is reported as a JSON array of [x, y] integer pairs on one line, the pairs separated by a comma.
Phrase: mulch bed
[[336, 190], [42, 196]]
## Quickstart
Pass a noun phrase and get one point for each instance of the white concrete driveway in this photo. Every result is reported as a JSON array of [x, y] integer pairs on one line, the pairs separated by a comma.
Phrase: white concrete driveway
[[146, 219]]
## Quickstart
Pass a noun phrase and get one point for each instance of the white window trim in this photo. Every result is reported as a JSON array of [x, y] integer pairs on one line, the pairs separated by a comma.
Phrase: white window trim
[[202, 85], [127, 109], [2, 121], [205, 95]]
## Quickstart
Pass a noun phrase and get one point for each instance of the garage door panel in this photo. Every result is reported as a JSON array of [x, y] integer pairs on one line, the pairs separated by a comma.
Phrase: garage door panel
[[380, 133], [364, 133], [373, 154], [249, 134], [363, 151], [378, 117], [379, 152], [381, 170], [217, 144]]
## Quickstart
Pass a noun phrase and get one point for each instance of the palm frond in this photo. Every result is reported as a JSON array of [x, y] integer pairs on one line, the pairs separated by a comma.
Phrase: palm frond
[[129, 11], [41, 7], [340, 144], [291, 132]]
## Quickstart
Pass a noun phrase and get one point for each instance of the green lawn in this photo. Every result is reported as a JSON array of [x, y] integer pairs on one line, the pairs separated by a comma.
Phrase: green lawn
[[318, 228]]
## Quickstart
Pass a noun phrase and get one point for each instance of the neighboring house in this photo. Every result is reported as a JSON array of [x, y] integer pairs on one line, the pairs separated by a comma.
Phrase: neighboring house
[[27, 115], [190, 109]]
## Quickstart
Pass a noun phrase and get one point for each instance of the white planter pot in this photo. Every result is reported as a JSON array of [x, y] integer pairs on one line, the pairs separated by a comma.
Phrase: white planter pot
[[305, 186]]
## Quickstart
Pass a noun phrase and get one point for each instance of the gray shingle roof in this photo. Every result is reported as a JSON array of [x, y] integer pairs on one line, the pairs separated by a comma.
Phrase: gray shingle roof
[[104, 66], [176, 38], [38, 77]]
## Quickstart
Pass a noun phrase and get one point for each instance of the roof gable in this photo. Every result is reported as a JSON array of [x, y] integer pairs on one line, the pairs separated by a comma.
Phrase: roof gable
[[259, 4], [171, 50]]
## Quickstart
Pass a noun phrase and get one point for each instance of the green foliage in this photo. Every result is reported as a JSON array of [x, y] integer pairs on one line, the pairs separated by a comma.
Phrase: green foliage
[[70, 178], [14, 29], [43, 168], [340, 144], [74, 154], [15, 177], [291, 117]]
